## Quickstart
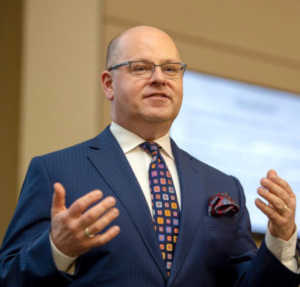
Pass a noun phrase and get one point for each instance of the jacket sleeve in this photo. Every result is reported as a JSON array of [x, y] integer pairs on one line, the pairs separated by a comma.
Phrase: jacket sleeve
[[25, 257], [264, 268]]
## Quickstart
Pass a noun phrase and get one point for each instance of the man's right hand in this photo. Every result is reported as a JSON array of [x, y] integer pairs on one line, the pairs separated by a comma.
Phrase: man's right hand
[[68, 225]]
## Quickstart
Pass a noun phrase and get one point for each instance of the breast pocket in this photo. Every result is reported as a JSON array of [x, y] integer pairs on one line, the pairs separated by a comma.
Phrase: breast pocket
[[222, 221]]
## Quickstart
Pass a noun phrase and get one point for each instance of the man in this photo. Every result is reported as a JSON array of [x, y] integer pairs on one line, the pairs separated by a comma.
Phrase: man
[[112, 237]]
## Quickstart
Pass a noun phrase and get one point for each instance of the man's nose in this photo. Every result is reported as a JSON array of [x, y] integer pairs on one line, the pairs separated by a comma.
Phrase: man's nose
[[158, 76]]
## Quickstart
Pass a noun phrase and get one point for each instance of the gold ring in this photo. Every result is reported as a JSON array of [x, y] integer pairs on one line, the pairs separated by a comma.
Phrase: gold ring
[[283, 210], [88, 234]]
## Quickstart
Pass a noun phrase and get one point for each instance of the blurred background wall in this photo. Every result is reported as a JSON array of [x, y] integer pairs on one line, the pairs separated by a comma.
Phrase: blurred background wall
[[52, 54]]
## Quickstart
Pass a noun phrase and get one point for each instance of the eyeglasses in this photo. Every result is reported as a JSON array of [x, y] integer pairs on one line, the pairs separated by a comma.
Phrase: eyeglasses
[[142, 69]]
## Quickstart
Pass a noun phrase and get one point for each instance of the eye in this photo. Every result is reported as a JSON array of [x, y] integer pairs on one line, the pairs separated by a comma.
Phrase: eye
[[140, 67], [170, 68]]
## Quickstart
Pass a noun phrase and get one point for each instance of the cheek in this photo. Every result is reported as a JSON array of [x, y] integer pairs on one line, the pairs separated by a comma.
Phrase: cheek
[[179, 96], [176, 88], [124, 103]]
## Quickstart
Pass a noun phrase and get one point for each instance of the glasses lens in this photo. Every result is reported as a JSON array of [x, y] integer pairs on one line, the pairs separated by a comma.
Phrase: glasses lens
[[173, 70], [141, 69], [145, 69]]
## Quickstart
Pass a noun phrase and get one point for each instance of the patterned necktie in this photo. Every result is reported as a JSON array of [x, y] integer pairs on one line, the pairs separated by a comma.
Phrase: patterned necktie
[[164, 203]]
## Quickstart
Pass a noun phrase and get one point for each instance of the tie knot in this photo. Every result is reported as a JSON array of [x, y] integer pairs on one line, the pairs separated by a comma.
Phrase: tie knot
[[150, 147]]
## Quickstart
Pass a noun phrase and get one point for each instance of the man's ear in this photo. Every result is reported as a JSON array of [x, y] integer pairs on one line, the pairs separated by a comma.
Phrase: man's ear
[[107, 85]]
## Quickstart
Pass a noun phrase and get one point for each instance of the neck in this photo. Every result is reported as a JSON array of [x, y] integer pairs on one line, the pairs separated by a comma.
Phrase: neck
[[148, 131]]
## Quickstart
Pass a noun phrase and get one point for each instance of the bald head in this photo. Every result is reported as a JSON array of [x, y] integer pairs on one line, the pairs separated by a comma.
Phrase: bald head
[[118, 44]]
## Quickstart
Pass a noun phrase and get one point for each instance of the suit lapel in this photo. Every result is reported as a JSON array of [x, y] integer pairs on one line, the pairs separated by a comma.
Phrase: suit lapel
[[109, 159], [192, 203]]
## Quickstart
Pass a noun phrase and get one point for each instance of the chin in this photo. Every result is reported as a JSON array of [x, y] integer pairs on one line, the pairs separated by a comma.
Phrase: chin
[[159, 119]]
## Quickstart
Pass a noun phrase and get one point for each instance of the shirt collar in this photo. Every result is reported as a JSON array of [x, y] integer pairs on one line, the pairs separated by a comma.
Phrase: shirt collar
[[128, 140]]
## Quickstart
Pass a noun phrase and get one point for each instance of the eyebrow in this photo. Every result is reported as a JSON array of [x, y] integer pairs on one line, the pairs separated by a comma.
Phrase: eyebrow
[[164, 62]]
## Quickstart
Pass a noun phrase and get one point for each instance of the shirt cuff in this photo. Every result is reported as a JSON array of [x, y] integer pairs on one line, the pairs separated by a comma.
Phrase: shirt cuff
[[63, 262], [284, 251]]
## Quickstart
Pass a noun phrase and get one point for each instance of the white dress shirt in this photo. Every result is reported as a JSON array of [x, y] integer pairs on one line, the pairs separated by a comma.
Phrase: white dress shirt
[[139, 161]]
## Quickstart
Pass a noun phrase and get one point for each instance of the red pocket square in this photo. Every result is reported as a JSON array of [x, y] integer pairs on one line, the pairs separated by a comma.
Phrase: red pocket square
[[222, 204]]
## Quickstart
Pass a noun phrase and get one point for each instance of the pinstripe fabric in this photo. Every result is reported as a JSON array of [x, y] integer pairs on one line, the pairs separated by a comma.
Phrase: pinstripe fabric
[[133, 258]]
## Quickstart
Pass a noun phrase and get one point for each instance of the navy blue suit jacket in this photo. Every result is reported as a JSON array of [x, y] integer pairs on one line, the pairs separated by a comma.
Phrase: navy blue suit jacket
[[211, 251]]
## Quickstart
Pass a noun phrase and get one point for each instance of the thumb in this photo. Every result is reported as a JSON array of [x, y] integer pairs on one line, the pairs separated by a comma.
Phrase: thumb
[[58, 204]]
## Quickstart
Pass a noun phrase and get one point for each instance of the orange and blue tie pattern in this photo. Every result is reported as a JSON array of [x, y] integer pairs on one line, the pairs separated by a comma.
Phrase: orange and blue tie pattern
[[164, 203]]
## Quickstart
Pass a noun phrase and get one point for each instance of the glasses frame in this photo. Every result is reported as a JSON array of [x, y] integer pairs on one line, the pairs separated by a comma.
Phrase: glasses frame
[[130, 62]]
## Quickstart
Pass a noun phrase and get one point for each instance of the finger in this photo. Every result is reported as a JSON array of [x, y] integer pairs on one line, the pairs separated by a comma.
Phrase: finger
[[274, 201], [276, 190], [58, 203], [95, 212], [279, 226], [107, 236], [104, 221], [272, 175], [81, 204], [272, 214]]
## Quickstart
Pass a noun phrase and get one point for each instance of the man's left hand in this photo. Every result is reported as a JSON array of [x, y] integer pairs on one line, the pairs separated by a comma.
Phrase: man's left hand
[[281, 205]]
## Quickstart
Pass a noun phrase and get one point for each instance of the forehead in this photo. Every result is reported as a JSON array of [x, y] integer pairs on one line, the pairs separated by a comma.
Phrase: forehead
[[148, 45]]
